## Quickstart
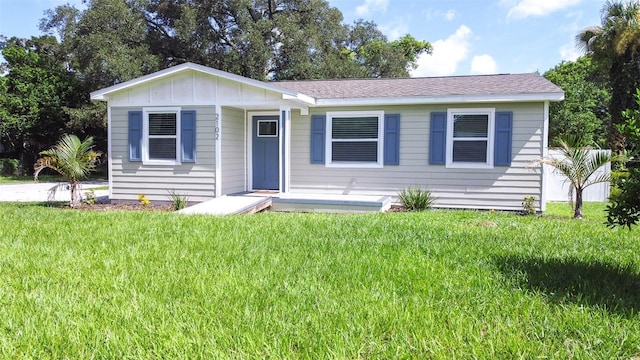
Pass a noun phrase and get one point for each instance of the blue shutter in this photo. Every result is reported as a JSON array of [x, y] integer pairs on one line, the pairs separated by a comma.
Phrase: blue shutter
[[318, 130], [438, 138], [392, 139], [188, 135], [135, 135], [502, 144]]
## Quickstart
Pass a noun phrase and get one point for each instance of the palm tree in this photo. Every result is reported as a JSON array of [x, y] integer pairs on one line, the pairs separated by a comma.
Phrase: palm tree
[[73, 159], [579, 165], [615, 47]]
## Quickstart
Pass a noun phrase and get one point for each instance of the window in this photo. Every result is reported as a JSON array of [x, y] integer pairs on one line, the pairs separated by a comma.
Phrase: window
[[354, 139], [470, 137], [268, 128], [161, 129]]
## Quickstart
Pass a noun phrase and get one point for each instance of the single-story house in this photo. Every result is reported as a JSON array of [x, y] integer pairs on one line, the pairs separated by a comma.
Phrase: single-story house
[[204, 133]]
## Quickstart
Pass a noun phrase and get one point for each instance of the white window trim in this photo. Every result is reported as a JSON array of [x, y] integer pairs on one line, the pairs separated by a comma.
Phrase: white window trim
[[491, 112], [277, 128], [329, 139], [145, 135]]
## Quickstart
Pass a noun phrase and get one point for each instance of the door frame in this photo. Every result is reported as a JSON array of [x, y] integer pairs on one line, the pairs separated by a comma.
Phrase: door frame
[[250, 130]]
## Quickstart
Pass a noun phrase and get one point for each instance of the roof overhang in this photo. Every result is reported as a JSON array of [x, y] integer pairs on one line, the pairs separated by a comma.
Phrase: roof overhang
[[287, 94], [416, 100]]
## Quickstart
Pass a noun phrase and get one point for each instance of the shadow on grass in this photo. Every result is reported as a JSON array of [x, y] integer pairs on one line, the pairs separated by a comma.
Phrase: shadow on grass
[[570, 280]]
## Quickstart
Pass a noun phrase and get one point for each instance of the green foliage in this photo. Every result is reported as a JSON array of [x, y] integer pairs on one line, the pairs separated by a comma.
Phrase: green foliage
[[416, 199], [578, 165], [113, 41], [38, 86], [615, 47], [178, 201], [583, 113], [428, 285], [529, 205], [73, 159], [624, 209], [90, 197], [9, 166]]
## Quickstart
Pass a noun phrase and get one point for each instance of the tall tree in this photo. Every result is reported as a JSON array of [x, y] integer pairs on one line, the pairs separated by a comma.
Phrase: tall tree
[[615, 46], [37, 88], [583, 113]]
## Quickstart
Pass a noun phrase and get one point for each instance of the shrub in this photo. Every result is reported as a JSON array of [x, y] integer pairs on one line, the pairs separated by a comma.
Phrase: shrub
[[178, 201], [90, 197], [529, 205], [144, 201], [9, 166], [416, 199]]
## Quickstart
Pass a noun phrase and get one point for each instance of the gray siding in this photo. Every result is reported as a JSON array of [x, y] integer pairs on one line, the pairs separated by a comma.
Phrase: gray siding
[[195, 180], [498, 188], [233, 151]]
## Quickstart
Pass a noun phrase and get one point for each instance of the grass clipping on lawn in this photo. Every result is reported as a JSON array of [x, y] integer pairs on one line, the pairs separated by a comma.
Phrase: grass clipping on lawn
[[437, 284]]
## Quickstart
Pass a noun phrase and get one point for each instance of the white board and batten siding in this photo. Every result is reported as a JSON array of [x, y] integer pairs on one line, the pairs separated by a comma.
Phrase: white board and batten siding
[[558, 186], [502, 187], [195, 180]]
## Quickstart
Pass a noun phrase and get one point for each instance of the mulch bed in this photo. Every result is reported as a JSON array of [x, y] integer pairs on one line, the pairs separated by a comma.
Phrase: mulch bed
[[115, 207]]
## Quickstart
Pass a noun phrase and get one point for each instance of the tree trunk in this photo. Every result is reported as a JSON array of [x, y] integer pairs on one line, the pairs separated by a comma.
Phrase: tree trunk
[[76, 197], [578, 210]]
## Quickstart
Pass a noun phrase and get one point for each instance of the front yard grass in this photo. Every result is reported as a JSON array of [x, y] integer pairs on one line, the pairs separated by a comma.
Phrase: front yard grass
[[437, 284]]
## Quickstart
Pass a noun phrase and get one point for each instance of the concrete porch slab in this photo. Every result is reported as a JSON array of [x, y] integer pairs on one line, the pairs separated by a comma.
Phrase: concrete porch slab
[[229, 205], [330, 203]]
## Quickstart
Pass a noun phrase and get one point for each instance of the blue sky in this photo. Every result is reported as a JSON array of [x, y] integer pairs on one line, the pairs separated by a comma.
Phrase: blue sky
[[469, 36]]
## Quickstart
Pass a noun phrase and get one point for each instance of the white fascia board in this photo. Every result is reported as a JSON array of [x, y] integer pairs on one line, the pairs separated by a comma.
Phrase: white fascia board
[[102, 93], [442, 99], [300, 97]]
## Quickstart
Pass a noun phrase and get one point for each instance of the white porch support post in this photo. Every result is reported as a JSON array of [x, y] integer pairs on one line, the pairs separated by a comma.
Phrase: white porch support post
[[109, 151], [545, 153], [218, 142], [285, 147]]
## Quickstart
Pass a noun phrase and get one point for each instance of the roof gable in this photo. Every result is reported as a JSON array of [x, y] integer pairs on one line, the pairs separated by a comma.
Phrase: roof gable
[[106, 93]]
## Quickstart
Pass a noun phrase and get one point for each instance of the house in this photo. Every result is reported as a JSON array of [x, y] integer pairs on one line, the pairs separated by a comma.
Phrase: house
[[205, 133]]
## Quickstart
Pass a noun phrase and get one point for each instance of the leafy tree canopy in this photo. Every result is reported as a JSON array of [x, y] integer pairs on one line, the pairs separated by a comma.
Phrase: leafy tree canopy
[[615, 47], [115, 40], [583, 113]]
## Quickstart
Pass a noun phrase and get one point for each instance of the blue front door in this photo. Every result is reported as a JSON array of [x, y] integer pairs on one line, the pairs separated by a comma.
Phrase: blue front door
[[265, 152]]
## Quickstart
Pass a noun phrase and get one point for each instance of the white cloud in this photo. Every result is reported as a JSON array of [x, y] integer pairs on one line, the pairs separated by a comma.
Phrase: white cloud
[[483, 64], [447, 54], [526, 8], [371, 5], [450, 15], [569, 52]]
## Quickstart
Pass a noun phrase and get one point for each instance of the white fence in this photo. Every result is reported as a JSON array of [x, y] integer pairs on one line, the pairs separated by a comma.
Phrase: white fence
[[558, 186]]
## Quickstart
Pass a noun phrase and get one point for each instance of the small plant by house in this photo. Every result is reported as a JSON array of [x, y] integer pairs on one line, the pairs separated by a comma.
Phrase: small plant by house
[[178, 201], [415, 198], [529, 205], [90, 197], [144, 200]]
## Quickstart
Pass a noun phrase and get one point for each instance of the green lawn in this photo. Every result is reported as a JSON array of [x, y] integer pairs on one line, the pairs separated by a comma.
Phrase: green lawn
[[439, 284]]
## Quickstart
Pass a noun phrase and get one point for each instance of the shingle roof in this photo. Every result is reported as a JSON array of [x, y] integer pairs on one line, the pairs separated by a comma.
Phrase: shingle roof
[[475, 85]]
